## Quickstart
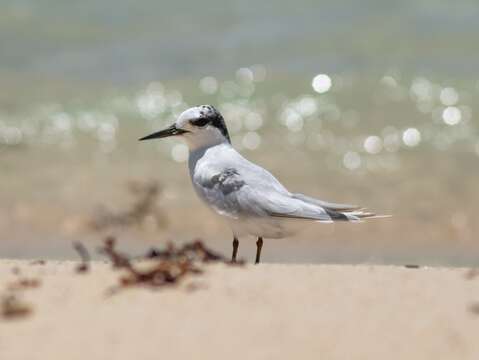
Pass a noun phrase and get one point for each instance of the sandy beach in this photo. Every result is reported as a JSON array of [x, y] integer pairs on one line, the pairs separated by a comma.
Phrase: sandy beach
[[251, 312]]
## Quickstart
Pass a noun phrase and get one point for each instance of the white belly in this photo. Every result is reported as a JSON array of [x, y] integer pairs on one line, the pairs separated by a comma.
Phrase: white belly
[[267, 227]]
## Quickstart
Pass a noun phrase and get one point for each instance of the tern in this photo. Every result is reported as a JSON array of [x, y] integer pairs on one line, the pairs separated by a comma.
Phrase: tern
[[251, 200]]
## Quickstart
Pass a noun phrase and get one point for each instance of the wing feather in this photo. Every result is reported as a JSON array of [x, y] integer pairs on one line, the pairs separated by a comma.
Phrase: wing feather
[[234, 193], [325, 204]]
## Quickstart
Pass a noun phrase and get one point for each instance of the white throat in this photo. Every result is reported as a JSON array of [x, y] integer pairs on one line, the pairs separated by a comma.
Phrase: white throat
[[204, 139]]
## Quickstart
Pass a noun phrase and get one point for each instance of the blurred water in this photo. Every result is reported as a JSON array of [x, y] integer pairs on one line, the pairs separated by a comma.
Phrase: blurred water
[[372, 102]]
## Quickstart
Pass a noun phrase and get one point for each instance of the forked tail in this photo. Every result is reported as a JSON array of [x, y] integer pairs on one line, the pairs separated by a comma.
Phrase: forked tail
[[353, 215]]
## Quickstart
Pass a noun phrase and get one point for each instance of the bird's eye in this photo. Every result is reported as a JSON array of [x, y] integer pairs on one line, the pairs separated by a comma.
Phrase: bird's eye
[[200, 122]]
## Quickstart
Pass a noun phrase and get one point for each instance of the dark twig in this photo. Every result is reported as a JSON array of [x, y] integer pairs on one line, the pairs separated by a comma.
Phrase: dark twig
[[84, 255]]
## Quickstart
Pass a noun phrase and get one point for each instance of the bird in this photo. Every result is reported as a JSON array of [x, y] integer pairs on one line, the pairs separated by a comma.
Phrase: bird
[[251, 200]]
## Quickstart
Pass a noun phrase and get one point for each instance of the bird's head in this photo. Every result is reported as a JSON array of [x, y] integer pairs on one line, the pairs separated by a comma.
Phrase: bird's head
[[200, 126]]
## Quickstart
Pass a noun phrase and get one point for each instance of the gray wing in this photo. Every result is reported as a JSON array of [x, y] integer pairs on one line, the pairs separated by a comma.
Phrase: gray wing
[[325, 204], [249, 190]]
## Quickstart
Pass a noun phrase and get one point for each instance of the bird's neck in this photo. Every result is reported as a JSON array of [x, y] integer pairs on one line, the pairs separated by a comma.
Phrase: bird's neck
[[199, 153], [200, 141]]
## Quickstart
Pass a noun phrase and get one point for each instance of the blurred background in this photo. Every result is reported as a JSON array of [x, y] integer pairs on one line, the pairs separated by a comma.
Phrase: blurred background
[[372, 102]]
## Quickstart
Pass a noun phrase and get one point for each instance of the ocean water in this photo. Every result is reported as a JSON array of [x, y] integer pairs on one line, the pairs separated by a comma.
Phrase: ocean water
[[372, 103]]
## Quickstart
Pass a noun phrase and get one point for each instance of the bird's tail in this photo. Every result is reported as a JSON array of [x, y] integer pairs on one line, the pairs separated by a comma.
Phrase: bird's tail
[[353, 215], [340, 212]]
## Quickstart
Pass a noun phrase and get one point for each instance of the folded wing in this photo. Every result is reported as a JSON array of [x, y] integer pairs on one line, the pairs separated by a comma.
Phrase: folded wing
[[249, 190]]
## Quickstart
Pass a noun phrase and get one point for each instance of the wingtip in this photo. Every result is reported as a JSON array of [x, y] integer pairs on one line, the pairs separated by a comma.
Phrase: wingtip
[[366, 215], [380, 217]]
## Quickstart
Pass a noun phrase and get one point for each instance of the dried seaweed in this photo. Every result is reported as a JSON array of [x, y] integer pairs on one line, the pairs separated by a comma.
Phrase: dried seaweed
[[194, 250], [472, 274], [118, 260], [38, 262], [474, 308], [24, 283], [169, 267], [412, 266], [12, 307], [145, 196]]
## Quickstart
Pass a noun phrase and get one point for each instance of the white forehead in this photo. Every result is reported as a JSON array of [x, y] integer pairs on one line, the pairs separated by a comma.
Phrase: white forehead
[[187, 115]]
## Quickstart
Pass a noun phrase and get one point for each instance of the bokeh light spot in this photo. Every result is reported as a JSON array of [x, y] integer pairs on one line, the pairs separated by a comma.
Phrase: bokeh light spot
[[351, 160], [373, 144], [451, 115], [253, 121], [251, 140], [321, 83], [411, 137], [449, 96], [209, 85]]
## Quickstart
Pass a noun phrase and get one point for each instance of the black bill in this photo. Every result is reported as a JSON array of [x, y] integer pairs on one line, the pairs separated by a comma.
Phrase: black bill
[[170, 131]]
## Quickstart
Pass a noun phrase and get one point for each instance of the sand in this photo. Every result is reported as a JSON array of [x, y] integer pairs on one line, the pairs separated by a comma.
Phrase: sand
[[255, 312]]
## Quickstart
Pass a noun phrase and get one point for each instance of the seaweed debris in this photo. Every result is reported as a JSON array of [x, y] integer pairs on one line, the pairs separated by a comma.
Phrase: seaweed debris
[[12, 307], [471, 274], [168, 266], [38, 262], [412, 266], [474, 308], [23, 284], [145, 195]]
